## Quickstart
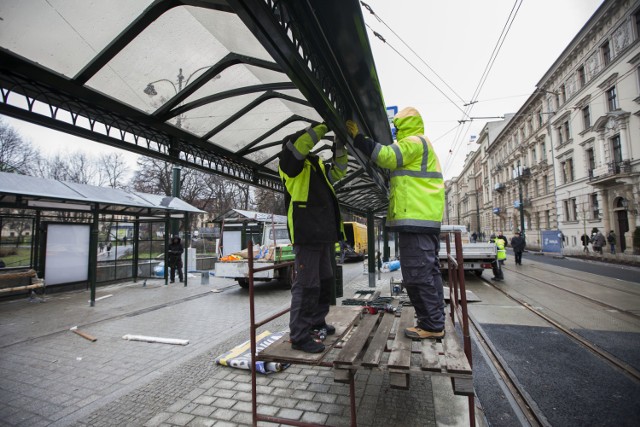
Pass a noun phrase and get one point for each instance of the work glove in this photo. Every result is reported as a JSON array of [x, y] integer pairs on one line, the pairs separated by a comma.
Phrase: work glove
[[339, 149], [352, 128], [320, 130]]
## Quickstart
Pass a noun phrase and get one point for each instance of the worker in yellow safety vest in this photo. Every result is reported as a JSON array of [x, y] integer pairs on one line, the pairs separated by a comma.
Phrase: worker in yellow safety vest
[[315, 225], [416, 206], [500, 257]]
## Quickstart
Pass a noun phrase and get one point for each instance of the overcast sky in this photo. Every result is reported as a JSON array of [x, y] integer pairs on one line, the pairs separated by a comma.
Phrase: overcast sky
[[456, 39]]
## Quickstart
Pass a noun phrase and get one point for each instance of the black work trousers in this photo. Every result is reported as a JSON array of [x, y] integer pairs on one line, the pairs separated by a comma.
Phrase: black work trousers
[[311, 289], [422, 279]]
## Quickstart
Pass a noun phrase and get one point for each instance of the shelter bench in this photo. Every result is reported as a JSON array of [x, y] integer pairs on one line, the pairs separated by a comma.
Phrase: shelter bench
[[16, 280]]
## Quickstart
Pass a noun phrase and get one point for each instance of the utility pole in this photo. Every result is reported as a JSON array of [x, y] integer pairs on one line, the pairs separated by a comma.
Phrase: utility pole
[[521, 203]]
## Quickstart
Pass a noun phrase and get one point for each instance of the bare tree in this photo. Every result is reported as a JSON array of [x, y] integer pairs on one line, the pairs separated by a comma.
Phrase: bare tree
[[74, 167], [269, 201], [113, 169], [16, 154]]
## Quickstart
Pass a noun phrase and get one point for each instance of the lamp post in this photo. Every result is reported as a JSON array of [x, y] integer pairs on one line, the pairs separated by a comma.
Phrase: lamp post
[[175, 173], [521, 203]]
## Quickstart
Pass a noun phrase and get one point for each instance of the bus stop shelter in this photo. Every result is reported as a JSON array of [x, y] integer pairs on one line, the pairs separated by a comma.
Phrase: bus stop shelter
[[214, 85], [66, 221]]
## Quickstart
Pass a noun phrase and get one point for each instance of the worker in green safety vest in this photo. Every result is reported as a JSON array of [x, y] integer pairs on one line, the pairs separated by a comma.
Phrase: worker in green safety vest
[[500, 257], [416, 206], [315, 225]]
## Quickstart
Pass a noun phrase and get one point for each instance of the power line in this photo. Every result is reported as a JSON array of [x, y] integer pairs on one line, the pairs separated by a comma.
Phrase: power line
[[485, 74], [415, 68], [366, 6]]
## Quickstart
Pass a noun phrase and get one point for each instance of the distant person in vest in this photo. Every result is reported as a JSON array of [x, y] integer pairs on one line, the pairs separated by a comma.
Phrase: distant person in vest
[[416, 206], [501, 255], [518, 244], [315, 225], [175, 258]]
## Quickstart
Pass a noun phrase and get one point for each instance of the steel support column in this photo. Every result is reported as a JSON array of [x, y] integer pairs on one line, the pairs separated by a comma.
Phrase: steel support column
[[93, 253], [371, 248]]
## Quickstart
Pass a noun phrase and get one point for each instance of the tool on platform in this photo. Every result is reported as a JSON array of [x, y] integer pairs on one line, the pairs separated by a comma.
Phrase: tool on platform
[[84, 335]]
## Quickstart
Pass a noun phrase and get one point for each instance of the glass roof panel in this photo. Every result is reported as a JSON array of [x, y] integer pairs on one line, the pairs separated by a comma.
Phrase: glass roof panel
[[175, 41], [238, 76], [201, 120], [64, 35]]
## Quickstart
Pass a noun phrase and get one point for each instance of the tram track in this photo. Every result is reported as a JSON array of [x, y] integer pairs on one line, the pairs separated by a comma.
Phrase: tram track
[[609, 358], [590, 299]]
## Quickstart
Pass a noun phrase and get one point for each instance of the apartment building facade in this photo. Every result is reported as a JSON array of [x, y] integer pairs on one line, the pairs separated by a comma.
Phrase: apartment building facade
[[570, 154]]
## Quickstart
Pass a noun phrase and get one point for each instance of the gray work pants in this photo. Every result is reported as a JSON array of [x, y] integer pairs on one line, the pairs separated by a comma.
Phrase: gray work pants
[[422, 279], [311, 289]]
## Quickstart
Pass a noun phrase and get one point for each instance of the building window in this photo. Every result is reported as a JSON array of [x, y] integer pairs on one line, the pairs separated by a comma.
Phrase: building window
[[567, 171], [535, 188], [582, 76], [612, 99], [565, 204], [540, 121], [538, 220], [563, 133], [547, 215], [606, 53], [574, 209], [545, 185], [617, 150], [595, 208], [543, 150], [591, 161], [586, 117], [636, 21], [534, 156], [563, 93]]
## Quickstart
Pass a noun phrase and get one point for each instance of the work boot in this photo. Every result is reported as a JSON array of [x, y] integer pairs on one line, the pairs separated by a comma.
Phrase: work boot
[[309, 346], [417, 333]]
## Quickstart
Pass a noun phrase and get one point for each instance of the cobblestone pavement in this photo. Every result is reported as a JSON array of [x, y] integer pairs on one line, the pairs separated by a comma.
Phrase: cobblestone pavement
[[50, 376]]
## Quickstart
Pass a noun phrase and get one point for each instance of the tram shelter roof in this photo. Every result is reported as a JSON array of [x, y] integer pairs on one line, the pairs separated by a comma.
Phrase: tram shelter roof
[[214, 85]]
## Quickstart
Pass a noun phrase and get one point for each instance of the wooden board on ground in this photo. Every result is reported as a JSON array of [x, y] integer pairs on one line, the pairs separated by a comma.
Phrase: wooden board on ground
[[355, 344], [342, 318], [399, 379], [400, 357], [462, 386], [454, 355]]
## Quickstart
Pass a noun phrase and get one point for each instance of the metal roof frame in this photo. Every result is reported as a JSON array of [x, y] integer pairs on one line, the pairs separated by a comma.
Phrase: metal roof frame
[[307, 40]]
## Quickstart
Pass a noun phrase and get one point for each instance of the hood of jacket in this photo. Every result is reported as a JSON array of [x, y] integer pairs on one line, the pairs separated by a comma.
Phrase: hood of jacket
[[175, 240], [408, 122]]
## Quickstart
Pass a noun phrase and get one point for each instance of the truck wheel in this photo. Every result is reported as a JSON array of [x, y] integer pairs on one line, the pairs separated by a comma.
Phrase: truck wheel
[[290, 276], [244, 283], [479, 272]]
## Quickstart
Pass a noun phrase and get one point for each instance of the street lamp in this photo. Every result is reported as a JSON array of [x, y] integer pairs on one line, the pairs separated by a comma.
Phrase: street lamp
[[151, 89], [521, 203]]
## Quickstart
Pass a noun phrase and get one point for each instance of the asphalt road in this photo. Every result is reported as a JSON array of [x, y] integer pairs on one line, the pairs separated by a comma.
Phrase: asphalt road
[[616, 271]]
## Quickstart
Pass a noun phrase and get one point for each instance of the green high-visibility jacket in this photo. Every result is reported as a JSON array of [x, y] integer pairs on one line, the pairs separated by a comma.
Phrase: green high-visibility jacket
[[313, 212], [502, 252], [416, 196]]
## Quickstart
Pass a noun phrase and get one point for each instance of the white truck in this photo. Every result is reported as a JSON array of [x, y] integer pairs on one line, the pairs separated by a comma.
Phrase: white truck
[[274, 248], [476, 256]]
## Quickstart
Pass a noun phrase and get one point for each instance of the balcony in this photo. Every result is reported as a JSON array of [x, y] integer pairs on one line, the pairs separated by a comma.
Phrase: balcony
[[499, 186], [608, 174]]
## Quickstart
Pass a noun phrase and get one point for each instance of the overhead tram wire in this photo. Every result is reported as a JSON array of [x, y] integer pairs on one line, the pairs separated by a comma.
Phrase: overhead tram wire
[[494, 54], [366, 6], [375, 33]]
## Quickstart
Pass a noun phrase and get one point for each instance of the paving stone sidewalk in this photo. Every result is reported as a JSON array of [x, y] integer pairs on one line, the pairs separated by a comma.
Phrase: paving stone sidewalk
[[59, 379]]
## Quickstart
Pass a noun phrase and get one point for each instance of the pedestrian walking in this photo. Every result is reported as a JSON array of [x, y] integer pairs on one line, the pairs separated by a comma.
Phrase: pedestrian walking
[[585, 243], [416, 207], [100, 247], [174, 253], [474, 237], [109, 249], [124, 240], [315, 225], [611, 239], [598, 241], [518, 244]]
